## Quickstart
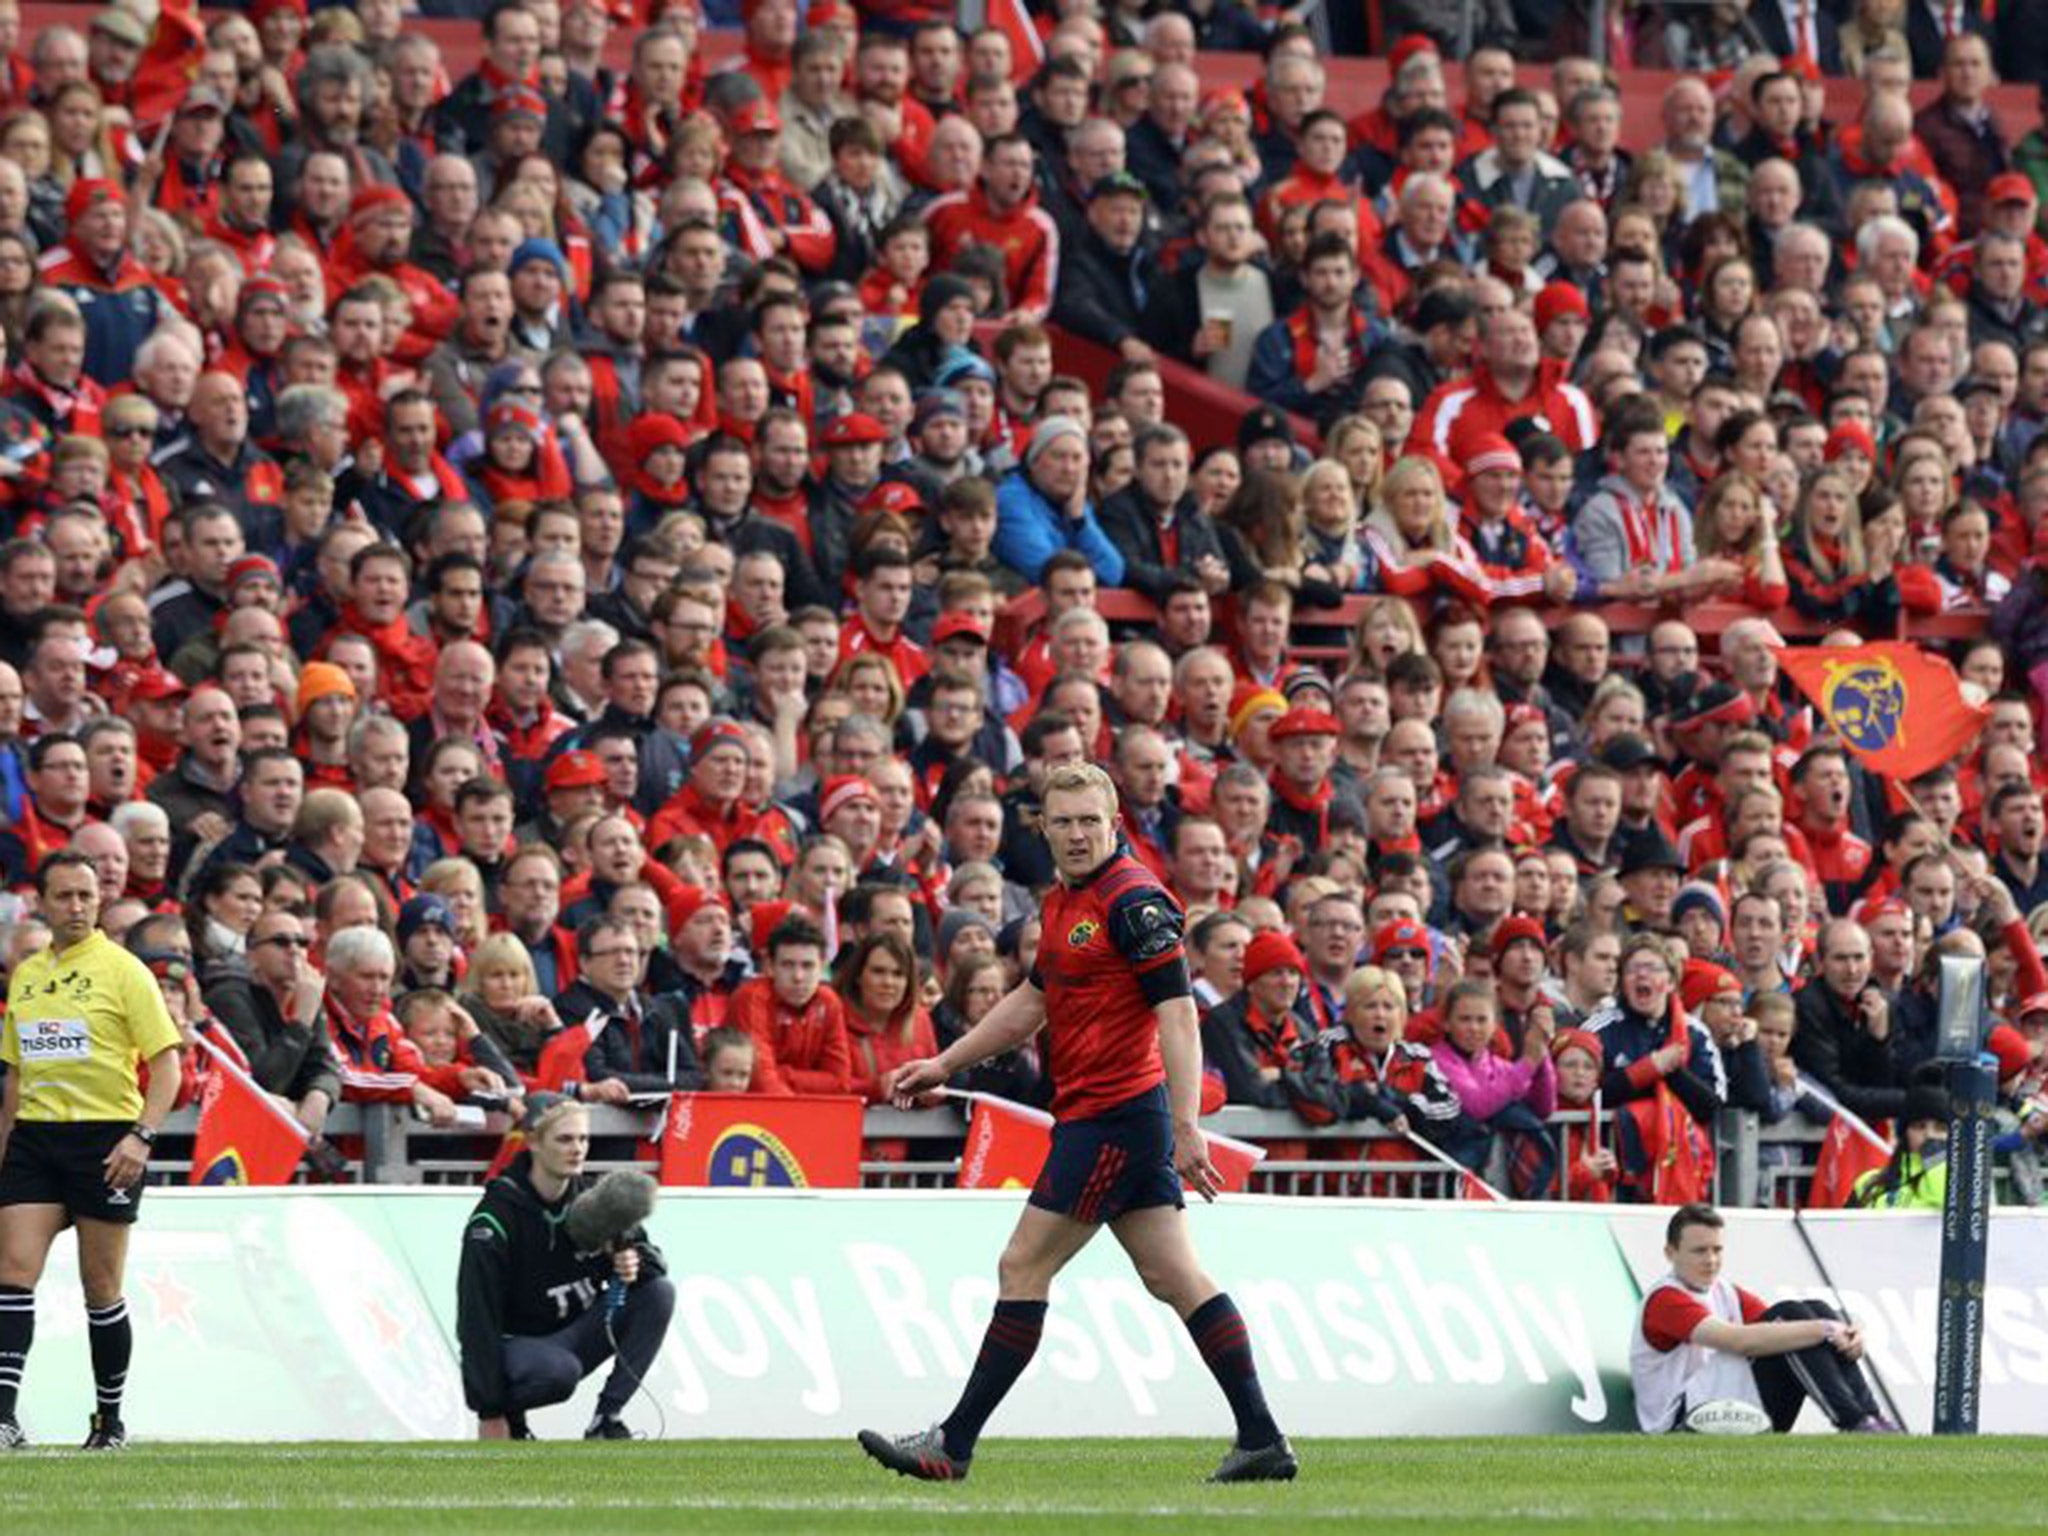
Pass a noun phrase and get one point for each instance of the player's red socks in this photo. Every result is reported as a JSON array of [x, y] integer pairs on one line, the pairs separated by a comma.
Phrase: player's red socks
[[17, 1332], [1219, 1333], [1007, 1347], [112, 1341]]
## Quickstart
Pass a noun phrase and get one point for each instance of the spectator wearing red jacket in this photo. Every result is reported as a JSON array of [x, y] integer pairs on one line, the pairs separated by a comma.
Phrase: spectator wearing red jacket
[[797, 1024], [1512, 382], [1002, 211], [379, 583], [761, 212], [377, 1063], [886, 1026], [376, 242]]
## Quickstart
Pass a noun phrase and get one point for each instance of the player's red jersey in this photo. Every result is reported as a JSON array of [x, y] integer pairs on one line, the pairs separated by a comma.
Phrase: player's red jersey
[[1111, 951]]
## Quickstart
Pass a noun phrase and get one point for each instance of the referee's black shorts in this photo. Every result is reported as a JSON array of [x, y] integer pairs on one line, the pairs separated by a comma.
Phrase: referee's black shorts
[[1111, 1163], [64, 1163]]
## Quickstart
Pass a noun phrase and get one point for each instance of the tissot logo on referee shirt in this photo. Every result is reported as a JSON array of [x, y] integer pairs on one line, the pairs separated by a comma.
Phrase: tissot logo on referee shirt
[[55, 1040]]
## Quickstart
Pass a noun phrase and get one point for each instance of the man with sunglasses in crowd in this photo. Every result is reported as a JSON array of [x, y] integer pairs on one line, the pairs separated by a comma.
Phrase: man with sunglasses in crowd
[[269, 999]]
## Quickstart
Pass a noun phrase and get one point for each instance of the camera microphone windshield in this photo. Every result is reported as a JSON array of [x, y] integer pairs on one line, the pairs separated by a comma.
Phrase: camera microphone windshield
[[617, 1203]]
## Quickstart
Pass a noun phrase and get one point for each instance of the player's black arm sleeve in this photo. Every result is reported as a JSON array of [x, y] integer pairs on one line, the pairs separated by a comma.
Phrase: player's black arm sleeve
[[1146, 928], [480, 1284]]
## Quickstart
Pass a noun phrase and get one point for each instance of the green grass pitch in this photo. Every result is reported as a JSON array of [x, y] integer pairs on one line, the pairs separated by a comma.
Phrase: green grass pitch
[[1607, 1485]]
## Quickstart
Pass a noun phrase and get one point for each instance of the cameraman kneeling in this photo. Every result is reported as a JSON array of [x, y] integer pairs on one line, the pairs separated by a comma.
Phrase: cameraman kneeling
[[530, 1311]]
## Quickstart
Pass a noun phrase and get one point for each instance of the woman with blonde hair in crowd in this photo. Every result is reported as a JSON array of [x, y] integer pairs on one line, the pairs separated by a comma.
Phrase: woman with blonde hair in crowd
[[1386, 1077], [1386, 628], [1734, 522], [83, 143], [869, 679], [459, 883], [1356, 443], [1413, 542], [1330, 506], [501, 992]]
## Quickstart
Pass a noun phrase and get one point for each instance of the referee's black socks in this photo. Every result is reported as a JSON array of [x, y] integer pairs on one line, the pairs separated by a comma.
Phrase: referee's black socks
[[17, 1332], [1007, 1347], [1219, 1333], [113, 1342]]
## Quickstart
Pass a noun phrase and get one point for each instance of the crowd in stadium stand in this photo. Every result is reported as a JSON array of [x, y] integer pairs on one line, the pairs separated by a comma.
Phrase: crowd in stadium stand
[[620, 532]]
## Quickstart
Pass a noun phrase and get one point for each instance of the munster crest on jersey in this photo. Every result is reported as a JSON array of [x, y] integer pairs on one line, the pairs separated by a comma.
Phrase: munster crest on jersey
[[1081, 933]]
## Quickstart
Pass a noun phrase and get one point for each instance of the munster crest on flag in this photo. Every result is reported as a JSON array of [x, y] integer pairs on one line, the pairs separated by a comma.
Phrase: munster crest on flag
[[1901, 712], [762, 1141]]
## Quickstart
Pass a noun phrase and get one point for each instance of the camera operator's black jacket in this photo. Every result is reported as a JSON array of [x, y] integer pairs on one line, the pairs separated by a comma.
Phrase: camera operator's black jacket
[[522, 1276]]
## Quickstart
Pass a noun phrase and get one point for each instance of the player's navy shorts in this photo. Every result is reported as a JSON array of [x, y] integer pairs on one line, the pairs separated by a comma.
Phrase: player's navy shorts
[[53, 1163], [1118, 1161]]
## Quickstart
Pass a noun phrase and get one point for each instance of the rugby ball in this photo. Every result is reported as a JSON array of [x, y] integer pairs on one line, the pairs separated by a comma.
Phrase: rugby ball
[[1728, 1416]]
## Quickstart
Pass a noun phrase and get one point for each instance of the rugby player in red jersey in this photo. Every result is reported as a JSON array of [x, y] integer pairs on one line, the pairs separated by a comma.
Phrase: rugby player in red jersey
[[1123, 1049]]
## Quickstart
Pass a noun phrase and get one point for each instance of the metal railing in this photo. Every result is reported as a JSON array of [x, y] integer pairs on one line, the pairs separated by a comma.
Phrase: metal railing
[[388, 1144]]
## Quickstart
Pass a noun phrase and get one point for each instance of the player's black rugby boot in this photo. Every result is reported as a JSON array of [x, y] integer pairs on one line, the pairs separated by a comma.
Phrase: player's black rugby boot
[[1273, 1463], [108, 1434], [922, 1455]]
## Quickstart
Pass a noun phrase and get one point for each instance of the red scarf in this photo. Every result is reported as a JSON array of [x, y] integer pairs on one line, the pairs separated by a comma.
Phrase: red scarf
[[1301, 327], [75, 410], [1640, 525], [405, 661], [1316, 803]]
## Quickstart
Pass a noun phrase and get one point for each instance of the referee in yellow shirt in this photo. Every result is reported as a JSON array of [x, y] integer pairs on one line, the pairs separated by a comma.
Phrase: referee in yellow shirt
[[76, 1131]]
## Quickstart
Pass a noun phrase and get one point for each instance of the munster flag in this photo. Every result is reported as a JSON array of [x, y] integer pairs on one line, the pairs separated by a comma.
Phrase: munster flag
[[1848, 1151], [1006, 1144], [1027, 48], [1901, 712], [1234, 1161], [762, 1141], [562, 1053], [170, 64], [245, 1137]]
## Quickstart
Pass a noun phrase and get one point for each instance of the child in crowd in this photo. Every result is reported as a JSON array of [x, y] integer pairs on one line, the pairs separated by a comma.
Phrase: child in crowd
[[728, 1060]]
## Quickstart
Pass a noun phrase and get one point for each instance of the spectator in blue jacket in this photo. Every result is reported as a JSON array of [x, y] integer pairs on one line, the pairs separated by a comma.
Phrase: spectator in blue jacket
[[1043, 507]]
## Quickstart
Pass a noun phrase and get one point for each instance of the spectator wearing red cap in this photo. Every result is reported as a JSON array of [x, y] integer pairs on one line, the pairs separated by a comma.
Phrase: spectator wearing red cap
[[762, 212], [121, 300], [709, 804], [1261, 1046], [1514, 557], [798, 1023], [1563, 318], [1521, 978], [378, 242], [1304, 750], [1712, 994], [1589, 1162]]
